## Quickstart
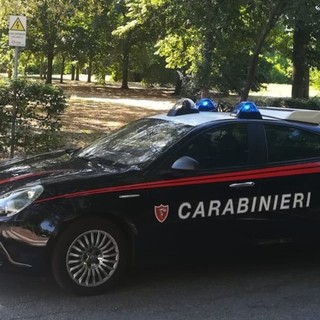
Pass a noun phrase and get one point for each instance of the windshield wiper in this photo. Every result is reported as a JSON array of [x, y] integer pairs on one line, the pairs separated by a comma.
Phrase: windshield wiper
[[72, 151], [97, 160]]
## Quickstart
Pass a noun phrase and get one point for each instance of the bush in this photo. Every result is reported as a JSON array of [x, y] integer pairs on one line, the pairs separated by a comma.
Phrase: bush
[[312, 104], [36, 117], [315, 78]]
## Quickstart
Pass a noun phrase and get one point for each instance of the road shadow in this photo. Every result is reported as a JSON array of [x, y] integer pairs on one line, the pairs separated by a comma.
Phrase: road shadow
[[180, 271]]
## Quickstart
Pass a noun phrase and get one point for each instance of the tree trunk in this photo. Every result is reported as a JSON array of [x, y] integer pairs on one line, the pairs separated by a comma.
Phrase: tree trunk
[[9, 71], [77, 72], [179, 82], [300, 74], [42, 67], [50, 56], [89, 70], [125, 63], [206, 66], [252, 67], [73, 71], [62, 69], [125, 71]]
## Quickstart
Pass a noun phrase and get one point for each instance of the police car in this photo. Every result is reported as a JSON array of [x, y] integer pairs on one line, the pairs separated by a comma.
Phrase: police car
[[168, 184]]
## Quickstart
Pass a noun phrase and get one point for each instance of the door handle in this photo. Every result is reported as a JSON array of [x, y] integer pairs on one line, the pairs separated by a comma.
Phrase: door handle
[[242, 184]]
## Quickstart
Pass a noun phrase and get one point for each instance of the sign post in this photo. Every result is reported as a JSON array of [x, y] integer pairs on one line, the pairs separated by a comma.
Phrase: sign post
[[17, 39]]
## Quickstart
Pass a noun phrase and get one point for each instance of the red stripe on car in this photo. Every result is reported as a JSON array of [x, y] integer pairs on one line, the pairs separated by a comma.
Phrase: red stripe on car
[[237, 176], [23, 176]]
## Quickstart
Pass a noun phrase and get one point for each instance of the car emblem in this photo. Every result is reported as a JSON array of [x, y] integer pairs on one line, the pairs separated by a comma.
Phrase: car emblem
[[161, 212]]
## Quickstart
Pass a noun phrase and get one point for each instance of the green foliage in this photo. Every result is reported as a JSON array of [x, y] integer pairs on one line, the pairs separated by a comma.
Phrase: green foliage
[[37, 118], [315, 78], [280, 69], [210, 41], [149, 68]]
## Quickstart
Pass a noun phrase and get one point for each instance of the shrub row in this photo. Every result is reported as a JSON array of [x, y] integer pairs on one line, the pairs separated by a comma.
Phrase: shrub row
[[36, 110], [312, 104]]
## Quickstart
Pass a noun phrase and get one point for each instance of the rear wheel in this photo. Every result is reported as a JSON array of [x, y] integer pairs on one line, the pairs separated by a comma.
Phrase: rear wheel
[[90, 257]]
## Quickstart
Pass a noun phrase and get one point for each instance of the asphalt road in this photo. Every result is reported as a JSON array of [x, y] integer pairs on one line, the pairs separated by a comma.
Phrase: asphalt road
[[261, 285]]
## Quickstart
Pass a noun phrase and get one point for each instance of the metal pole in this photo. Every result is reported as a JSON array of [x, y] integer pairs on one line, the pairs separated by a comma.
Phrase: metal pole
[[14, 106], [16, 59]]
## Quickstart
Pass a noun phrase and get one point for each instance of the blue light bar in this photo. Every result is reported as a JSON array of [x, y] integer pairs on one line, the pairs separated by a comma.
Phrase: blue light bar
[[206, 104], [247, 110]]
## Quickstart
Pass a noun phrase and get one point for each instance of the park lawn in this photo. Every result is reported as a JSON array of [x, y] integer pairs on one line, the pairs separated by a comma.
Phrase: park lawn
[[87, 119]]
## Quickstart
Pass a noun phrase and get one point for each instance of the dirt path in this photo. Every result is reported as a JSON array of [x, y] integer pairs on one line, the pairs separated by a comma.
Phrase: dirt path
[[151, 104], [94, 110]]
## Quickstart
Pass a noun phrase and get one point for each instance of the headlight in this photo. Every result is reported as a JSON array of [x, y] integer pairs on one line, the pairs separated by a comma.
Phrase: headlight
[[13, 202]]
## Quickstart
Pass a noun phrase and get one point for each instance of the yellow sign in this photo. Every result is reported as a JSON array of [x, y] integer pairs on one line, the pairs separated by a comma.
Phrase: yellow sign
[[17, 25], [17, 31]]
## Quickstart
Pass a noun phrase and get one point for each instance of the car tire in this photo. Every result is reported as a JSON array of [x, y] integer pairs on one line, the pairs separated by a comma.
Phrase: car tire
[[90, 257]]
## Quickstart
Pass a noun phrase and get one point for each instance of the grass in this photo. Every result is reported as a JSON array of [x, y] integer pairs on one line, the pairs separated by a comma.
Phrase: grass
[[280, 91]]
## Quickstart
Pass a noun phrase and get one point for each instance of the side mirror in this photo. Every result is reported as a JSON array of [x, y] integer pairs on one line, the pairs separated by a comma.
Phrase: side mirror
[[185, 163]]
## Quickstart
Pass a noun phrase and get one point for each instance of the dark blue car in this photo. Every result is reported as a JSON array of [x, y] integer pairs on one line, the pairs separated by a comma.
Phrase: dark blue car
[[167, 184]]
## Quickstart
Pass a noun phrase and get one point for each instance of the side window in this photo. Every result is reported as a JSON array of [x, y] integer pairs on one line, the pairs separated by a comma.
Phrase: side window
[[289, 143], [222, 147]]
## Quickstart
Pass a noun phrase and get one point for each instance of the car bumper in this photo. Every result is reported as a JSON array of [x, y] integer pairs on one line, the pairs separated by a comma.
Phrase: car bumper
[[19, 247]]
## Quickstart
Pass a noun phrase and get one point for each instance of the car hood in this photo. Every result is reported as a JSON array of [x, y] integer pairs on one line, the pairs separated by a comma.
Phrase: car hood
[[59, 165]]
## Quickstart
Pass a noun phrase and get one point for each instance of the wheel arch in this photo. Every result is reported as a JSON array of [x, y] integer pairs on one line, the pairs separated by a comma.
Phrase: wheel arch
[[128, 229]]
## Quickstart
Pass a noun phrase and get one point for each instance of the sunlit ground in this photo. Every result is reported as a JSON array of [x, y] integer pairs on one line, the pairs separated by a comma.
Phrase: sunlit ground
[[95, 110], [281, 90]]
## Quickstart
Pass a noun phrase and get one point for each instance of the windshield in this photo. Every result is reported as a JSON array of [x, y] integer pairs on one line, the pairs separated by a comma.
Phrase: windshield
[[140, 142]]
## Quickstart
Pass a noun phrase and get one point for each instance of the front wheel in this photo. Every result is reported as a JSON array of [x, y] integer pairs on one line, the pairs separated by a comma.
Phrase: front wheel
[[89, 257]]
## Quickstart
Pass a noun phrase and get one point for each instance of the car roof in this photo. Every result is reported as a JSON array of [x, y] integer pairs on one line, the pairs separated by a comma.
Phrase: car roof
[[195, 119], [300, 115], [268, 113]]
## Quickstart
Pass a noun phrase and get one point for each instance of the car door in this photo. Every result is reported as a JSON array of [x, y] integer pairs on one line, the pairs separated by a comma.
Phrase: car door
[[202, 207], [289, 201]]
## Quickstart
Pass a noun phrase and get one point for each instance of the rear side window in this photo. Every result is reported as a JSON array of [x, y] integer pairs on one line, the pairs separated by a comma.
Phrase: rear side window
[[289, 143]]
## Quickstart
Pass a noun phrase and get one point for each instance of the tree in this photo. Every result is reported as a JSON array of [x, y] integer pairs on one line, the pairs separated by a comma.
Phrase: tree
[[7, 8], [305, 21], [135, 28], [212, 44], [47, 22], [88, 36], [275, 9]]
